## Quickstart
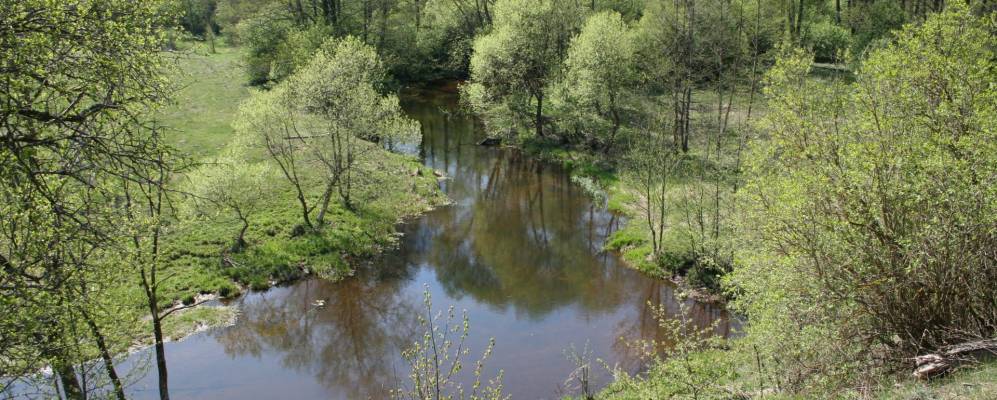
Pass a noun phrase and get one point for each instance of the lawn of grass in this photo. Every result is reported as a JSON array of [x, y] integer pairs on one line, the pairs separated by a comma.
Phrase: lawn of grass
[[210, 88]]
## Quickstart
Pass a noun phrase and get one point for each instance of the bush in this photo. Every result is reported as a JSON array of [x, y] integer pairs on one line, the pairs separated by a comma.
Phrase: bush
[[869, 228], [827, 41]]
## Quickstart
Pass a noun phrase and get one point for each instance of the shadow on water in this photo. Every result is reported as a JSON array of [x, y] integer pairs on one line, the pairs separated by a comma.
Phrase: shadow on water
[[519, 249]]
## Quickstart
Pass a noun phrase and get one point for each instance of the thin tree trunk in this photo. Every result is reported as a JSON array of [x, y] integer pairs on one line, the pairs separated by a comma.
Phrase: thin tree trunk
[[240, 241], [325, 202], [70, 383], [539, 117], [799, 21], [105, 354], [157, 327], [149, 286]]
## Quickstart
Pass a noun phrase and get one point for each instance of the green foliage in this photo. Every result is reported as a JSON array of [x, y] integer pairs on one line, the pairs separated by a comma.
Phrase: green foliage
[[75, 118], [873, 21], [198, 15], [230, 185], [693, 365], [437, 358], [263, 35], [600, 79], [514, 63], [827, 41], [869, 235]]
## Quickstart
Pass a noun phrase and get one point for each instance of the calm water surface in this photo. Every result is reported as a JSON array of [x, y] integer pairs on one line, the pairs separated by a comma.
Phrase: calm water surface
[[519, 249]]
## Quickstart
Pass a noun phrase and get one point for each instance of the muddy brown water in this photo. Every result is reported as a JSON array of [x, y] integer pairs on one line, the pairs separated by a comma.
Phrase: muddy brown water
[[519, 249]]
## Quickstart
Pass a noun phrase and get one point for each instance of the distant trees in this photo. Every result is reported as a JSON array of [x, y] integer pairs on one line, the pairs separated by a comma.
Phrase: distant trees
[[871, 207]]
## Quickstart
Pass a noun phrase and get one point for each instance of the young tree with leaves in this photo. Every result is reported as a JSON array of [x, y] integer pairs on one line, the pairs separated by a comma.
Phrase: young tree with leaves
[[600, 76], [230, 183], [514, 64], [338, 97]]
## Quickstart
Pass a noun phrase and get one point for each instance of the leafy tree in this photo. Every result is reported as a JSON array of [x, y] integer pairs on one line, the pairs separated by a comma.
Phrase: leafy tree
[[263, 35], [78, 82], [650, 167], [872, 206], [229, 183], [600, 77], [514, 63], [338, 91], [267, 120], [329, 113]]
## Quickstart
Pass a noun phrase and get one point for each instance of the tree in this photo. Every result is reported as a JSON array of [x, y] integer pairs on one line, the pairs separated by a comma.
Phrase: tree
[[672, 59], [514, 63], [329, 113], [650, 166], [872, 205], [266, 119], [148, 207], [600, 77], [76, 87], [229, 183], [337, 92]]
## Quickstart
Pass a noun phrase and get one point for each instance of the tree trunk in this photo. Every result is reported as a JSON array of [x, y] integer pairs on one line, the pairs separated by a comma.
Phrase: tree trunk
[[931, 365], [157, 329], [325, 203], [105, 354], [70, 383], [240, 241], [304, 207], [539, 117], [799, 21], [157, 332]]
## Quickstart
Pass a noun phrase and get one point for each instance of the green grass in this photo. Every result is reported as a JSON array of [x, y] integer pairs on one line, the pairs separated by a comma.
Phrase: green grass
[[974, 382], [210, 88]]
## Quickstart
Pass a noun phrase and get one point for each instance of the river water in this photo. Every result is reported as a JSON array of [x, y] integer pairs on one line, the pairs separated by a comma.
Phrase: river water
[[519, 250]]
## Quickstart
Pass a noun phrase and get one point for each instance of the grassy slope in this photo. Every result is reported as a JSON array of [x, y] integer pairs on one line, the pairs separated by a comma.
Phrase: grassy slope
[[199, 124]]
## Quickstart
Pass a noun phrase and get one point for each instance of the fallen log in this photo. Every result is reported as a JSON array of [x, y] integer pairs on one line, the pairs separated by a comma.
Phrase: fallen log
[[490, 142], [935, 364]]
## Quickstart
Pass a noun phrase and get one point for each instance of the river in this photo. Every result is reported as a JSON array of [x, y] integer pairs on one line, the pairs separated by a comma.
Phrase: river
[[519, 249]]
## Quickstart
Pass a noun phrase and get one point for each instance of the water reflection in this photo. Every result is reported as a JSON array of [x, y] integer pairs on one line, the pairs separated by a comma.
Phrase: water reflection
[[346, 343], [519, 250]]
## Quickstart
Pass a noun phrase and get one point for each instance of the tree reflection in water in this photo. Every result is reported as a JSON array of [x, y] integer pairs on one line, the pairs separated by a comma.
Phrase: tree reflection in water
[[520, 248], [349, 344]]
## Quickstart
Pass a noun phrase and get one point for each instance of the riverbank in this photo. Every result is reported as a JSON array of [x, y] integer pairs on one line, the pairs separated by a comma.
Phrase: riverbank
[[197, 251]]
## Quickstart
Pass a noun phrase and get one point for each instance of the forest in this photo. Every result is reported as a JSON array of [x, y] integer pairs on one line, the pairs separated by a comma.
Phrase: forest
[[494, 199]]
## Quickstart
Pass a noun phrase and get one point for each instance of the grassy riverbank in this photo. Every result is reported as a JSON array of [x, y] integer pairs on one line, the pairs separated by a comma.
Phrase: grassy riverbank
[[699, 169], [197, 250]]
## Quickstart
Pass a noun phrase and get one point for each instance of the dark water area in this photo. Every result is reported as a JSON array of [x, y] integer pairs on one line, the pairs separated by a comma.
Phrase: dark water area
[[519, 249]]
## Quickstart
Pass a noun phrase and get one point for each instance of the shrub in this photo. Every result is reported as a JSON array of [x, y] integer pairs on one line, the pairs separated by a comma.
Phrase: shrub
[[827, 41], [869, 228]]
